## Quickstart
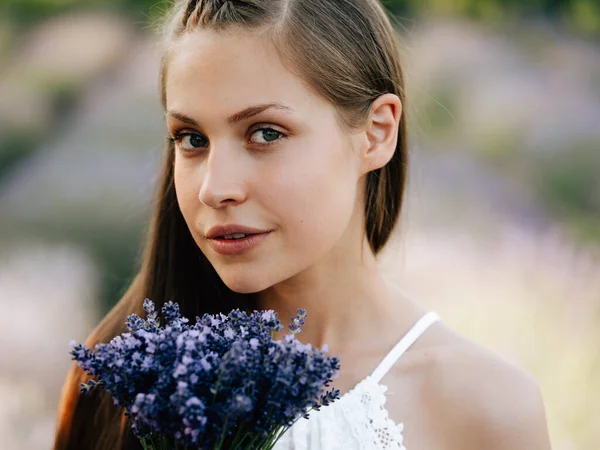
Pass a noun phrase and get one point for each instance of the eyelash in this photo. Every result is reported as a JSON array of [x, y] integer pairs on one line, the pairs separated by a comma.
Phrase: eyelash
[[179, 135]]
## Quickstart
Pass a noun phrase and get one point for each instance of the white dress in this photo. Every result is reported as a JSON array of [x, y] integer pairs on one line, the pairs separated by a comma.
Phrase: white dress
[[359, 419]]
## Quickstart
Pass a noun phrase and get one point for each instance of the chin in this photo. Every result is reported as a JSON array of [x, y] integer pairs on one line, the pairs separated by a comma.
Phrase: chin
[[244, 282]]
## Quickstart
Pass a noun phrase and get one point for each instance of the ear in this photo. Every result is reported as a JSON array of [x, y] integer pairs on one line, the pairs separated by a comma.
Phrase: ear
[[381, 132]]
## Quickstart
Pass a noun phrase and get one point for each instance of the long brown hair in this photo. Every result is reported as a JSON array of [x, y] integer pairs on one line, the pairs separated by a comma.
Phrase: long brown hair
[[347, 52]]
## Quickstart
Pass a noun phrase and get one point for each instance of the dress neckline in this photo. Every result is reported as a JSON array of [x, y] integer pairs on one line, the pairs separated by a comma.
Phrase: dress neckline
[[395, 353]]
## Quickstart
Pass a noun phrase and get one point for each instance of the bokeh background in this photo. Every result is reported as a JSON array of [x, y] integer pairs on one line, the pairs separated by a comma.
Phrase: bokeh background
[[501, 234]]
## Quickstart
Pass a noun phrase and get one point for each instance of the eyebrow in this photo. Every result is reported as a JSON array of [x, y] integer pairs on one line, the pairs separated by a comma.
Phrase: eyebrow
[[234, 118]]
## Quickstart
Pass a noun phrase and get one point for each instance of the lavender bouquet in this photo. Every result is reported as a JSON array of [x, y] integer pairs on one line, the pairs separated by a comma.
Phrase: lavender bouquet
[[221, 383]]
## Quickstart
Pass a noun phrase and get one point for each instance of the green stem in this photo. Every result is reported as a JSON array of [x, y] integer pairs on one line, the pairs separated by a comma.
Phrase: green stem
[[240, 437], [223, 435], [244, 440], [252, 443]]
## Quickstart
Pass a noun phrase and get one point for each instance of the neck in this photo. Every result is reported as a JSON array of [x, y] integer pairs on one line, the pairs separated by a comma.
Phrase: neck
[[346, 298]]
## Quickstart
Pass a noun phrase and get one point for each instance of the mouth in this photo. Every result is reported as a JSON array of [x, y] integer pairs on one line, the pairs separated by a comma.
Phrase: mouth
[[237, 243], [233, 232], [235, 236]]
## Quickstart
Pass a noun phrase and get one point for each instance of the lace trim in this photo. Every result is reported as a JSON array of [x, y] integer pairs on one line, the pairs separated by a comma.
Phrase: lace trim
[[359, 420], [366, 410]]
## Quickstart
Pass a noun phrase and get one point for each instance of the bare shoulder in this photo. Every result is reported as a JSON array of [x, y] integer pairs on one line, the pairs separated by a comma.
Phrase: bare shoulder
[[490, 402]]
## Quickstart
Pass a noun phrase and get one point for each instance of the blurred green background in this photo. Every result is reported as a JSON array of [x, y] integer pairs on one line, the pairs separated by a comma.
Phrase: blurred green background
[[503, 207]]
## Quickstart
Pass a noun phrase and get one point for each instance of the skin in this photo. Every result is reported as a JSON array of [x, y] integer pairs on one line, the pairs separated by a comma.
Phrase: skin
[[298, 172]]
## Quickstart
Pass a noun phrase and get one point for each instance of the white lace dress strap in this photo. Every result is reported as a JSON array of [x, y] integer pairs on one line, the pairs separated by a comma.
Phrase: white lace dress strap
[[359, 420], [409, 339]]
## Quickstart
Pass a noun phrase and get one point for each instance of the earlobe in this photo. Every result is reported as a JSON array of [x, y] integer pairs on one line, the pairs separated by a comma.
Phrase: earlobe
[[382, 131]]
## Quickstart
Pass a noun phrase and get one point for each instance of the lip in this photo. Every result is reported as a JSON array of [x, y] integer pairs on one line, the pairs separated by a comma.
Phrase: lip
[[232, 228], [237, 246]]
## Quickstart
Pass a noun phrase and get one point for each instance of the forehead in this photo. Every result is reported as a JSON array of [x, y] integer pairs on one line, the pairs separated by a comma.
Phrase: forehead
[[228, 71]]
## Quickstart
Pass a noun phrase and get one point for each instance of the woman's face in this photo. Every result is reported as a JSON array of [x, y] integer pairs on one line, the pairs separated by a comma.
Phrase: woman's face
[[255, 147]]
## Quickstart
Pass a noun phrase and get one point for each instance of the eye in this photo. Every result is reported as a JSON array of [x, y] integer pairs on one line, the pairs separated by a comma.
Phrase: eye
[[189, 141], [265, 136]]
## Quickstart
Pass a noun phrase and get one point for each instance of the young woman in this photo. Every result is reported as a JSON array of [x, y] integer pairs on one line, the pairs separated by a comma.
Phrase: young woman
[[283, 179]]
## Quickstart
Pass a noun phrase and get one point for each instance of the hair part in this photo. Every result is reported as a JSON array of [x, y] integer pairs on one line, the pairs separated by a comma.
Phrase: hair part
[[345, 51]]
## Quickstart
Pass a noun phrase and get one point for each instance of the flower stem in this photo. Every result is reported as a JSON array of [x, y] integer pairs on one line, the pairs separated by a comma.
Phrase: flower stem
[[223, 435]]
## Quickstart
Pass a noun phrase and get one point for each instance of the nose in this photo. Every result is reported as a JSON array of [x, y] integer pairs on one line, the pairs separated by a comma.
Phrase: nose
[[223, 183]]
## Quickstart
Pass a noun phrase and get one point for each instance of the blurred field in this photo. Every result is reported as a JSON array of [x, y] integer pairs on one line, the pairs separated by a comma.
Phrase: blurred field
[[501, 233]]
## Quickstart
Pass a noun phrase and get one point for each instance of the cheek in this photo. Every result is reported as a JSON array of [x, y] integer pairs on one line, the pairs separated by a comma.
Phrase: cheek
[[186, 189], [315, 194]]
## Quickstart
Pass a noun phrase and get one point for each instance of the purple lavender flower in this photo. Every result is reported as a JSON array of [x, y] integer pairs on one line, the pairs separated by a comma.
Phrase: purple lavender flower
[[222, 382], [298, 321]]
